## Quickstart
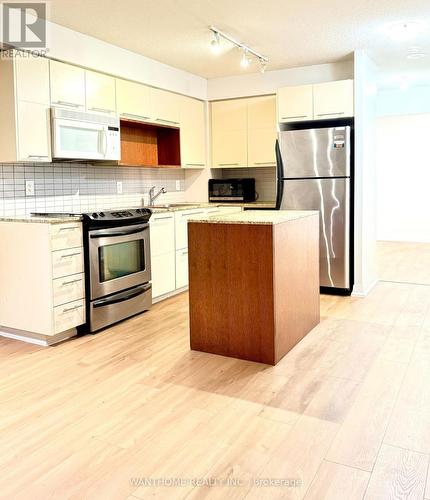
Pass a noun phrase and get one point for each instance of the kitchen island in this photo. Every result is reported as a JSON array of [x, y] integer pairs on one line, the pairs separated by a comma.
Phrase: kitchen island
[[253, 282]]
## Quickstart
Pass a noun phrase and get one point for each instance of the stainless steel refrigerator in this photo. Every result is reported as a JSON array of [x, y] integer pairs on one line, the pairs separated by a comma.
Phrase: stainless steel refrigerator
[[314, 173]]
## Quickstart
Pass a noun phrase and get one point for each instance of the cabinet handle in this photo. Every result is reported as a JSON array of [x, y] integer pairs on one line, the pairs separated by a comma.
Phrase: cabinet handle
[[163, 218], [70, 255], [185, 252], [102, 110], [66, 103], [69, 228], [37, 156], [195, 164], [65, 283], [331, 114], [292, 117], [194, 213], [264, 163], [227, 164], [139, 117], [166, 121], [71, 308]]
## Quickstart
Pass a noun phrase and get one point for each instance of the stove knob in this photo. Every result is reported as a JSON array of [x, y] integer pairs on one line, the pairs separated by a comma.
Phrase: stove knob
[[102, 214], [95, 215]]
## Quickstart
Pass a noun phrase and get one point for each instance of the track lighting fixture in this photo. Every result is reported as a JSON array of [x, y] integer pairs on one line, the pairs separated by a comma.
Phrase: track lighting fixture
[[247, 52]]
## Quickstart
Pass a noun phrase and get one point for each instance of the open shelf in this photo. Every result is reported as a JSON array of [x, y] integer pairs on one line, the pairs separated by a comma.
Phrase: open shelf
[[149, 146]]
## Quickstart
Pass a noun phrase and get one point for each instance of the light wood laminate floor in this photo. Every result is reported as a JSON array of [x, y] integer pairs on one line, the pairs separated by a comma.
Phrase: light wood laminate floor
[[120, 415], [404, 262]]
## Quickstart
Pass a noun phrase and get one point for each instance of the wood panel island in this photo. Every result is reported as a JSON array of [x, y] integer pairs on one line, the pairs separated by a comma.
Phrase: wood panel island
[[253, 282]]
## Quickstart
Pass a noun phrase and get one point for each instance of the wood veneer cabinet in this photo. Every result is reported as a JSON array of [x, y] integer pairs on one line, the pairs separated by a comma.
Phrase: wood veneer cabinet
[[254, 287]]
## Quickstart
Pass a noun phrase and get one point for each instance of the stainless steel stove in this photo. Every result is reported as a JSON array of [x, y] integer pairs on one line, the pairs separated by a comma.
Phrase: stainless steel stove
[[117, 264]]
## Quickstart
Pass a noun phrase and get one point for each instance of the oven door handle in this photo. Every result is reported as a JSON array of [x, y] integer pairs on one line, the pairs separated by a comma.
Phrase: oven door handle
[[122, 297], [118, 233]]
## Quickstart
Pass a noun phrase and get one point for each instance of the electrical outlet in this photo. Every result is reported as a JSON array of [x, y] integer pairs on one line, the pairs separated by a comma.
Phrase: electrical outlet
[[119, 187], [178, 185], [29, 188]]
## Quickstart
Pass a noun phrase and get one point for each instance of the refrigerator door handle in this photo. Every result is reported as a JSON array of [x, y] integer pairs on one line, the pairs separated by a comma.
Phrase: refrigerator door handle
[[279, 176]]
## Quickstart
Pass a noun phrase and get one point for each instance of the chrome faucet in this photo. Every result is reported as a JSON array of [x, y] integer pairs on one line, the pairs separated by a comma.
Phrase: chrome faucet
[[153, 197]]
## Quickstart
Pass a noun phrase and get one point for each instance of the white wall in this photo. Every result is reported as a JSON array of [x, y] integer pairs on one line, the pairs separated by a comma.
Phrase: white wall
[[403, 207], [76, 48], [413, 100], [365, 269], [269, 82]]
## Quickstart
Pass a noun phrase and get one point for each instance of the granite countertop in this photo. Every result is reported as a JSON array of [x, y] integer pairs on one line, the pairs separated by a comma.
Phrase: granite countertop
[[155, 210], [191, 206], [266, 217], [40, 220]]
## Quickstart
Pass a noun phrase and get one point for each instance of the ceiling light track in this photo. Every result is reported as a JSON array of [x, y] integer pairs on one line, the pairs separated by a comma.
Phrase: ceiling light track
[[247, 51]]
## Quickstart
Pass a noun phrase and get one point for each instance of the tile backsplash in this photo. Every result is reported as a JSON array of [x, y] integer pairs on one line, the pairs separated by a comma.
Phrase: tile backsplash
[[82, 187]]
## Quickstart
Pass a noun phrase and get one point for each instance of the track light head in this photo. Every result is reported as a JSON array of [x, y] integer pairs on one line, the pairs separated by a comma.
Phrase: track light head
[[263, 65], [216, 44], [244, 62]]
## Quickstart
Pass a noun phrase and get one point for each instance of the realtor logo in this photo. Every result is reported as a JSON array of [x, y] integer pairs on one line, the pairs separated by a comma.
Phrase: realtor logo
[[24, 24]]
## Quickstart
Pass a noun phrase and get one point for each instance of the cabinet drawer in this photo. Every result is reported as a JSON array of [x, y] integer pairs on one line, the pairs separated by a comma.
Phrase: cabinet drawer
[[67, 262], [69, 316], [66, 236], [181, 268], [181, 226], [162, 231], [68, 289]]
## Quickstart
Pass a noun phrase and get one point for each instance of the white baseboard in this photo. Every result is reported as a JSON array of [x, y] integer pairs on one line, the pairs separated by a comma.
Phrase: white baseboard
[[170, 294], [364, 293], [37, 338]]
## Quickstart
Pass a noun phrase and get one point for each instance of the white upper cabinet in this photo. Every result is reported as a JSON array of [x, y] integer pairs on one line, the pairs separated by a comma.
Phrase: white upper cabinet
[[333, 100], [229, 133], [24, 103], [193, 133], [33, 132], [295, 103], [100, 92], [261, 131], [133, 100], [67, 85], [244, 132], [316, 102], [32, 79], [165, 107]]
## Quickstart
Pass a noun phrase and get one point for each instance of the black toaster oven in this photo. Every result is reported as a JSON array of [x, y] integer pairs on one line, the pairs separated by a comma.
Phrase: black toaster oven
[[232, 190]]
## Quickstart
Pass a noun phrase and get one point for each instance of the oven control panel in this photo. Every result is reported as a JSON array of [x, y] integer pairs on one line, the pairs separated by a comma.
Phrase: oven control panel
[[118, 217]]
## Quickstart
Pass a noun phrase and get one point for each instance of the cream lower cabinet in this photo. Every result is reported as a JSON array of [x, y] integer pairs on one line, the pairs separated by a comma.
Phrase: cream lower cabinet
[[42, 290], [24, 102], [169, 248], [162, 231]]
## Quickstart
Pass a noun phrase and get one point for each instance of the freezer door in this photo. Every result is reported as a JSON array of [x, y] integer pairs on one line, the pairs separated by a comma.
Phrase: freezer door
[[331, 198], [320, 152]]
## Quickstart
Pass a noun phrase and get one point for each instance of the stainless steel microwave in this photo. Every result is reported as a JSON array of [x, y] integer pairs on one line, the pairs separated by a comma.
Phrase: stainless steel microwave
[[232, 190]]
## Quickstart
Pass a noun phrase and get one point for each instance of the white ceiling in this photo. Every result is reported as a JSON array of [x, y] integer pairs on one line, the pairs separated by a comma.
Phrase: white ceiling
[[290, 32]]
